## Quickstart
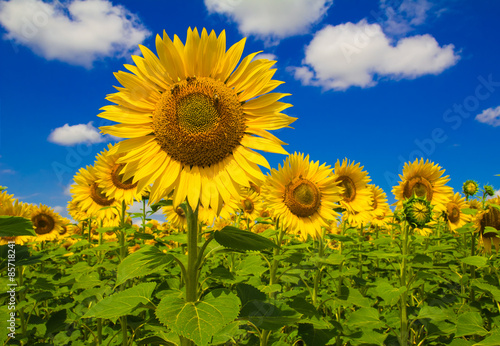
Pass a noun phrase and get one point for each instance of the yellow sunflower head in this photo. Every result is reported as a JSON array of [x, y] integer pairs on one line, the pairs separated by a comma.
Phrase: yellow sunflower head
[[110, 178], [90, 199], [5, 199], [193, 116], [176, 216], [12, 207], [356, 196], [303, 195], [46, 222], [454, 215], [423, 180]]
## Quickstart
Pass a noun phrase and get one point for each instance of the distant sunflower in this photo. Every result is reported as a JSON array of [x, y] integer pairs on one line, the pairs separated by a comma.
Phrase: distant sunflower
[[489, 217], [303, 195], [357, 197], [110, 178], [192, 119], [176, 216], [12, 207], [249, 202], [5, 199], [46, 222], [90, 198], [456, 218], [423, 180]]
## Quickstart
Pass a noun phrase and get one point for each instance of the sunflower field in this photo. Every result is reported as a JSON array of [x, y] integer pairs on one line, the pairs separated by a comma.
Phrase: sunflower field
[[307, 254]]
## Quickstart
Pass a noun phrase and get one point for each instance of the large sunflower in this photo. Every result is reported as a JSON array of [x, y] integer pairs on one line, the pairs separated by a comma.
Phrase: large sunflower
[[456, 218], [192, 119], [110, 178], [90, 198], [303, 195], [423, 180], [12, 207], [357, 197], [47, 223]]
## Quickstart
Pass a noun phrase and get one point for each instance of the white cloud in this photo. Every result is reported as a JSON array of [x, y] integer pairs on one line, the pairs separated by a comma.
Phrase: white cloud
[[58, 209], [77, 32], [404, 16], [271, 19], [490, 116], [349, 54], [267, 56], [71, 135]]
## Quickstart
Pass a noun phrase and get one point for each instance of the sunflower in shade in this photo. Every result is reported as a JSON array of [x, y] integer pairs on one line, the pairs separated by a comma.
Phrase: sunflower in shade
[[423, 179], [356, 196], [176, 216], [46, 222], [303, 195], [110, 178], [489, 217], [193, 118]]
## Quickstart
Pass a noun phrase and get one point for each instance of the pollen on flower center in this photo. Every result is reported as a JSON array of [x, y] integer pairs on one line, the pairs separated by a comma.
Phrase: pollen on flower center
[[99, 197], [302, 197], [199, 121], [43, 223], [116, 177]]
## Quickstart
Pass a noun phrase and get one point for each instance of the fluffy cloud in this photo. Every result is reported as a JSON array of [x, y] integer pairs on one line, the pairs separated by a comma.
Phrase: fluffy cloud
[[267, 56], [490, 116], [349, 54], [71, 135], [77, 32], [271, 19]]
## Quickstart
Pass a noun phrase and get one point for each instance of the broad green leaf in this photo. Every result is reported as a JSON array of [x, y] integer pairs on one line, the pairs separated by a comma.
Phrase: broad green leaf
[[145, 261], [122, 303], [388, 293], [470, 323], [314, 336], [238, 239], [199, 321], [435, 313], [492, 340], [160, 204], [367, 336], [268, 316], [477, 261], [309, 313], [13, 226], [468, 211], [493, 290], [365, 318]]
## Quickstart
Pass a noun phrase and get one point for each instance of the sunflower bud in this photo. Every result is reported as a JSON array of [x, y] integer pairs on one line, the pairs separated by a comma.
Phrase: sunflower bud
[[488, 190], [417, 210], [470, 187]]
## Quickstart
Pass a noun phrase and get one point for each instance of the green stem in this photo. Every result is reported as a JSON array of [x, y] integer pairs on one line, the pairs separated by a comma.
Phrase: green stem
[[317, 277], [123, 254], [403, 337], [472, 268], [20, 273], [192, 269]]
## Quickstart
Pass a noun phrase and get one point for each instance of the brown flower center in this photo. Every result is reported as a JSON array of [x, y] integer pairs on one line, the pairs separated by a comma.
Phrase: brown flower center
[[419, 186], [302, 197], [43, 223], [99, 197], [199, 122], [248, 205], [453, 212], [490, 218], [349, 188], [117, 178], [179, 211]]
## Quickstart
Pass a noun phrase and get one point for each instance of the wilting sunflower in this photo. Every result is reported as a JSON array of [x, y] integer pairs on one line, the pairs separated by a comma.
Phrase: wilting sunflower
[[357, 197], [192, 119], [423, 180], [456, 218], [303, 195], [110, 178], [46, 222], [90, 198], [489, 217]]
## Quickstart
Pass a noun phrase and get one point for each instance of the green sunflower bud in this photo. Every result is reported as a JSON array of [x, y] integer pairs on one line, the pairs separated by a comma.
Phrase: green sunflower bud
[[488, 190], [470, 188], [418, 211]]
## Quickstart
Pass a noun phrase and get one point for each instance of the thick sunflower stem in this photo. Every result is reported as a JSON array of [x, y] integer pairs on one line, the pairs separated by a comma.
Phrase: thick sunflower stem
[[403, 336], [123, 254], [192, 267]]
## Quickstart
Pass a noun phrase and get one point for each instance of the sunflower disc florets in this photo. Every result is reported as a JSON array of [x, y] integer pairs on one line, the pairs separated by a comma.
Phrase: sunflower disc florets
[[417, 211], [470, 187]]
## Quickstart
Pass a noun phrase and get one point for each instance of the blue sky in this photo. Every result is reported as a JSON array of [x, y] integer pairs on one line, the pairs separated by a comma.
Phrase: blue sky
[[377, 82]]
